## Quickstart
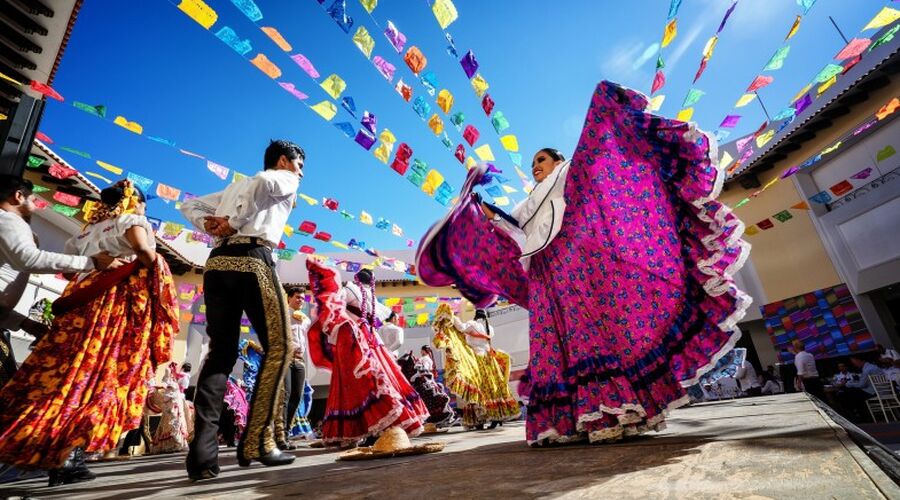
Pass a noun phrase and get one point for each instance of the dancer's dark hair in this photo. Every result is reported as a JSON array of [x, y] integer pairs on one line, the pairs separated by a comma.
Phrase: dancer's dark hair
[[10, 184], [554, 154], [278, 148]]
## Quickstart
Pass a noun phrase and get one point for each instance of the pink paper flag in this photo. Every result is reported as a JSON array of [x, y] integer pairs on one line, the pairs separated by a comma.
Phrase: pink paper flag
[[67, 199], [760, 82], [40, 203], [293, 90], [61, 172], [855, 48], [306, 64], [742, 143], [658, 81], [220, 171]]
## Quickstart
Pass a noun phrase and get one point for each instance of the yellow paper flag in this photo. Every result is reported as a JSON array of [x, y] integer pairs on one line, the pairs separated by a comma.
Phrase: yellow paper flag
[[445, 100], [886, 16], [670, 33], [334, 86], [112, 168], [444, 12], [97, 176], [510, 143], [436, 124], [509, 189], [266, 66], [827, 85], [308, 199], [127, 125], [750, 231], [245, 329], [197, 10], [10, 79], [432, 181], [277, 38], [387, 137], [392, 301], [470, 162], [369, 5], [771, 183], [419, 307], [288, 230], [480, 85], [364, 41], [365, 218], [501, 201], [802, 93], [725, 160], [422, 318], [744, 100], [325, 109], [655, 103], [710, 47], [685, 114], [382, 152], [484, 152], [765, 138], [339, 245], [794, 28]]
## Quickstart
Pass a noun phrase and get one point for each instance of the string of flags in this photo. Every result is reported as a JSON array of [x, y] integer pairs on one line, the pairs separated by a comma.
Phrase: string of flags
[[429, 181], [849, 56], [659, 77], [843, 187], [694, 94], [444, 101], [445, 13]]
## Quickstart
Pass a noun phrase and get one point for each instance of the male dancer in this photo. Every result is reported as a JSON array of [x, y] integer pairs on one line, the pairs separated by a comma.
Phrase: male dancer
[[296, 378], [247, 220]]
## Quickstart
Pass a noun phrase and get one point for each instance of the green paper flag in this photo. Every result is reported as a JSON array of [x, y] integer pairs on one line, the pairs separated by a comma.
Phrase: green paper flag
[[783, 216], [76, 152], [67, 211], [885, 153], [34, 161], [741, 203], [98, 110], [39, 189], [828, 72], [692, 97], [885, 38], [659, 63], [777, 60]]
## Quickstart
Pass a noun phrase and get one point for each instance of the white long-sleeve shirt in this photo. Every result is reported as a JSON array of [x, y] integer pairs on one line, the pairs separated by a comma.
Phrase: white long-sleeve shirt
[[392, 336], [21, 257], [746, 376], [256, 207], [806, 365], [300, 324]]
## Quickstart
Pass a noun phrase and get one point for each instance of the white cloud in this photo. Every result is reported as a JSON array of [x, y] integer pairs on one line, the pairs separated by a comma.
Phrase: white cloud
[[684, 43], [618, 65]]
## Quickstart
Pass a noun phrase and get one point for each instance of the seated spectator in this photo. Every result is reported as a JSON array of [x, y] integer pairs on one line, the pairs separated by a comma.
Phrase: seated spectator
[[770, 384], [843, 375], [866, 370], [887, 353], [893, 372]]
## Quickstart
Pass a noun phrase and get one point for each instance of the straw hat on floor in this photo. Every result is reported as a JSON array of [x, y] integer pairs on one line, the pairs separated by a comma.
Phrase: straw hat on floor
[[393, 442], [433, 429]]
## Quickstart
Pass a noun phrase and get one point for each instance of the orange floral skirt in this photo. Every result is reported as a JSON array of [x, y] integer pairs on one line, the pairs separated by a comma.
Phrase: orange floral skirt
[[86, 381]]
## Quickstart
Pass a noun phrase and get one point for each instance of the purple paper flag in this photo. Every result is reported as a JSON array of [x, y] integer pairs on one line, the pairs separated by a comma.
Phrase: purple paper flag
[[365, 138], [730, 121], [743, 142], [305, 64], [862, 174], [469, 64], [803, 103], [727, 15], [368, 121], [397, 39], [293, 90], [385, 68], [789, 172]]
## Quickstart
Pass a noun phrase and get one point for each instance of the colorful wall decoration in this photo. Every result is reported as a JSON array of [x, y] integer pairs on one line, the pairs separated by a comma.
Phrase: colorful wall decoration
[[826, 320]]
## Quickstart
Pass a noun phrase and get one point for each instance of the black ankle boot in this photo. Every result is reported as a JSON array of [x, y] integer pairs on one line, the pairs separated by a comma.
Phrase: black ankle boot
[[74, 470]]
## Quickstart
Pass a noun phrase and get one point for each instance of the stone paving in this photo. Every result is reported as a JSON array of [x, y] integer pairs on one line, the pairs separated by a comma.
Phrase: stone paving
[[766, 447]]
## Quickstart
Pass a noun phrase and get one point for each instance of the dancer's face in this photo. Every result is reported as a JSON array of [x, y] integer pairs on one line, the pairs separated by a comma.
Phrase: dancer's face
[[295, 300], [294, 166], [543, 165]]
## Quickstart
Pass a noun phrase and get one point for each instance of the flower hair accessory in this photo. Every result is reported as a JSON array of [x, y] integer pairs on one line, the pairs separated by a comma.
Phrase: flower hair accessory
[[99, 212]]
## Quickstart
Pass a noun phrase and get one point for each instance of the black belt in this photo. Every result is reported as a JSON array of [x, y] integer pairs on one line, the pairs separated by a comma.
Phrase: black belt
[[245, 240]]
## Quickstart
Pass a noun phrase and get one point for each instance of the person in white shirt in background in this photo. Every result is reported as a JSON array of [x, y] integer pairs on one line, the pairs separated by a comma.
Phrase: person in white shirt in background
[[891, 354], [20, 257], [247, 220], [296, 377], [893, 371], [806, 369], [843, 375], [749, 381], [392, 335]]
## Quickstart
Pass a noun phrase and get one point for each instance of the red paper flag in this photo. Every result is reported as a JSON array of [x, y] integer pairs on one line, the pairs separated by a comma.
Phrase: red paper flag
[[487, 104], [61, 172], [43, 138], [404, 152], [282, 245], [40, 203], [460, 153], [400, 166], [307, 249], [841, 188], [471, 134], [308, 227], [45, 89], [658, 81], [323, 236], [330, 204], [701, 69], [765, 224], [760, 82], [67, 199]]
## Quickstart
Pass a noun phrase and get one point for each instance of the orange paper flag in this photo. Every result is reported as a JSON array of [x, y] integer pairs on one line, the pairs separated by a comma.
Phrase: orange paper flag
[[266, 66], [277, 38]]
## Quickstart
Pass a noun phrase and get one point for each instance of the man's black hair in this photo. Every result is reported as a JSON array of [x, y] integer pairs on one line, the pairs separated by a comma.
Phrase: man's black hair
[[294, 291], [10, 184], [278, 148]]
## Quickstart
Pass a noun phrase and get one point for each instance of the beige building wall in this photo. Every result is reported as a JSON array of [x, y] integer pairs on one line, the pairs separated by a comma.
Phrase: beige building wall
[[790, 258]]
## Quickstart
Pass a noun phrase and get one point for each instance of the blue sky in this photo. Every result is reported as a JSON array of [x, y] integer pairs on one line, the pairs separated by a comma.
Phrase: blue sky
[[152, 64]]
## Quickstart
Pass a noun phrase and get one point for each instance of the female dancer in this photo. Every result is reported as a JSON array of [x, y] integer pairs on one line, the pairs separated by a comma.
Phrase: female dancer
[[368, 392], [432, 393], [176, 425], [86, 380], [629, 263]]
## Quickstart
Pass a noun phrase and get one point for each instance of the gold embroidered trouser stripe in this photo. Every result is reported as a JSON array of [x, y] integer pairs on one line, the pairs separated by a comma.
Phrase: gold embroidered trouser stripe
[[258, 438]]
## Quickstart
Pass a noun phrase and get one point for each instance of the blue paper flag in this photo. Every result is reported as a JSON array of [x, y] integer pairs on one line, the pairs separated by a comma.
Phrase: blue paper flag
[[346, 128], [249, 8], [822, 197], [141, 182], [338, 12], [231, 39], [349, 105]]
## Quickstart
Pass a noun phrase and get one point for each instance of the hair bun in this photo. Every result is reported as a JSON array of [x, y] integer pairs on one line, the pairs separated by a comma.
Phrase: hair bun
[[112, 195]]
